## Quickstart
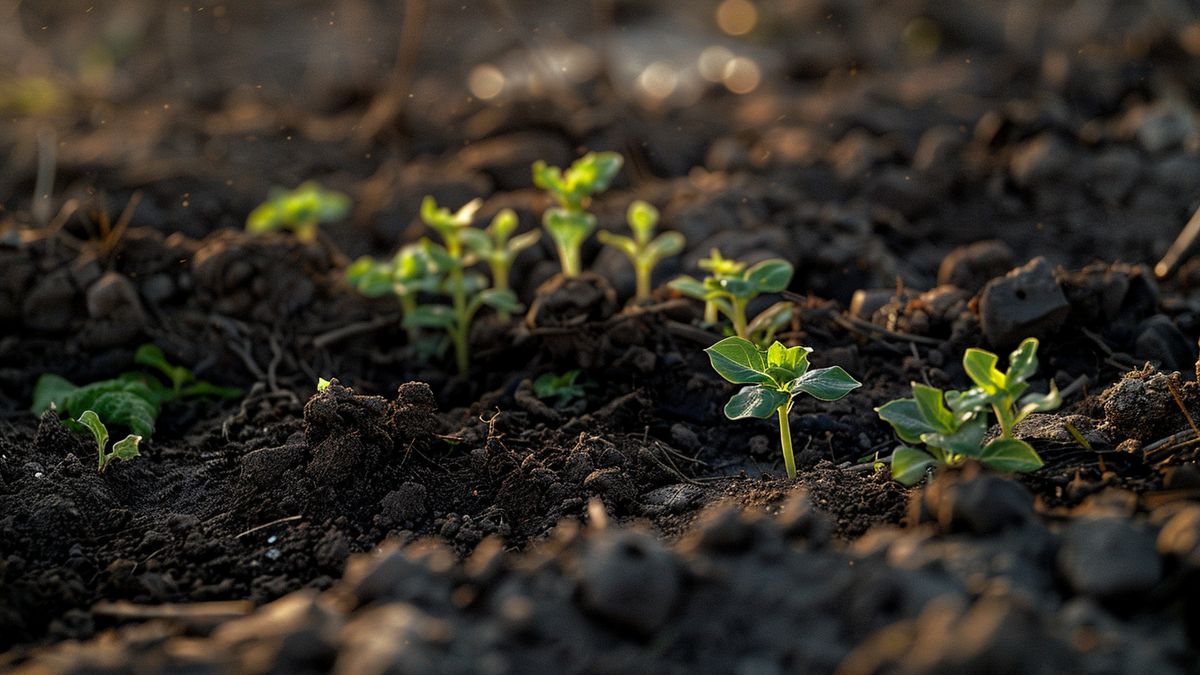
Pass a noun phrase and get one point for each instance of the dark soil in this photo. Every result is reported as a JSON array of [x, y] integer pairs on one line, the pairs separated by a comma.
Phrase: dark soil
[[1022, 178]]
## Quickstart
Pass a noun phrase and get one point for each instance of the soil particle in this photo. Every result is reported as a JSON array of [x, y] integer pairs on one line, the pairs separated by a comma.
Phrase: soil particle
[[1027, 302], [970, 267], [1140, 406], [629, 578], [1109, 558]]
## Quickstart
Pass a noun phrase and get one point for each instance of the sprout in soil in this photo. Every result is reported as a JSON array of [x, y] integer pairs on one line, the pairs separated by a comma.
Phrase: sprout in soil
[[410, 273], [124, 449], [495, 247], [644, 249], [774, 378], [563, 387], [569, 223], [948, 428], [730, 287], [132, 400], [299, 210], [468, 291]]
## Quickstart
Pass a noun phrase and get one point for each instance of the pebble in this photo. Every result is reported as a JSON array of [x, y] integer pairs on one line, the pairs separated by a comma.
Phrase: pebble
[[1109, 557], [1027, 302], [970, 267], [1160, 341], [629, 578]]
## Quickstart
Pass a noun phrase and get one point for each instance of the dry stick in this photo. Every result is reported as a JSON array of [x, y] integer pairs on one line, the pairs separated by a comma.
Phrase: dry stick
[[266, 525], [1180, 249], [858, 325], [1179, 402], [118, 229]]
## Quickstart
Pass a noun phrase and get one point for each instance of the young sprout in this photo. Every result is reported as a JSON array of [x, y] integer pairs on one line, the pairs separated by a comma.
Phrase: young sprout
[[718, 267], [644, 249], [299, 210], [495, 247], [410, 273], [774, 378], [124, 449], [948, 428], [468, 291], [569, 223], [563, 387], [730, 291]]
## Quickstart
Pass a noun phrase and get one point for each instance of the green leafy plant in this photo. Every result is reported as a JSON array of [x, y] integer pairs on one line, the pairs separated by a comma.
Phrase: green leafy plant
[[774, 377], [407, 275], [643, 249], [731, 287], [132, 400], [468, 291], [299, 210], [948, 428], [563, 387], [569, 223], [498, 248], [124, 449]]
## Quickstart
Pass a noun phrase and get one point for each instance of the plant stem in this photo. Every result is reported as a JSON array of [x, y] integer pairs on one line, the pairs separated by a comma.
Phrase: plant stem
[[1004, 418], [642, 271], [408, 305], [710, 313], [500, 282], [570, 260], [785, 439], [739, 318]]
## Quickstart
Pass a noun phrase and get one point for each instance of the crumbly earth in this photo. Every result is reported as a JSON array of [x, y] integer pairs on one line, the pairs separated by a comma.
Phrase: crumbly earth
[[1022, 178]]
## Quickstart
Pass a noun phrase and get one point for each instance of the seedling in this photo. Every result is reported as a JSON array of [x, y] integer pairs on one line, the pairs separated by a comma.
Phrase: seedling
[[132, 400], [644, 249], [322, 384], [299, 210], [410, 273], [731, 287], [468, 291], [948, 428], [718, 267], [563, 387], [774, 378], [124, 449], [495, 247], [569, 223]]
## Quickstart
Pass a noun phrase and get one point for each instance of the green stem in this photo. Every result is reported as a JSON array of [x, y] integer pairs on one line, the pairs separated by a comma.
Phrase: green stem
[[408, 305], [462, 326], [642, 271], [570, 260], [1004, 417], [739, 318], [785, 439], [500, 282], [710, 313]]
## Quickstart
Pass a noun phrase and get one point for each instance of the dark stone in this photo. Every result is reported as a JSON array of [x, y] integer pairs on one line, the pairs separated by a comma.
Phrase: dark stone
[[1026, 302], [629, 578], [1158, 340], [970, 267], [1109, 558]]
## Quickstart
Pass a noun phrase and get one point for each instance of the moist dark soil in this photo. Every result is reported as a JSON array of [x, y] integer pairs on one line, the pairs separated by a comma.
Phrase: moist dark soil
[[1021, 179]]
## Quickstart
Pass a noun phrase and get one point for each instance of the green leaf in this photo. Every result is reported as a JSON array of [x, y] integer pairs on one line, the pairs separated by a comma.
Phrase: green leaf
[[153, 357], [755, 401], [523, 241], [476, 241], [502, 226], [666, 245], [1010, 454], [322, 384], [622, 243], [720, 266], [933, 410], [125, 449], [739, 361], [826, 384], [208, 389], [1032, 403], [594, 172], [969, 401], [739, 288], [505, 301], [430, 316], [91, 421], [770, 320], [689, 286], [642, 218], [128, 410], [966, 440], [264, 218], [50, 390], [909, 465], [1022, 363], [905, 417], [981, 368], [770, 276]]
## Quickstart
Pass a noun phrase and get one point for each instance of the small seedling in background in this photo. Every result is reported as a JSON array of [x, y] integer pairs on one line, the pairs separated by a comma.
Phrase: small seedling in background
[[948, 428], [774, 378], [299, 210], [644, 249], [731, 288], [322, 384], [718, 267], [495, 247], [569, 223], [468, 291], [563, 387], [124, 449], [407, 275], [132, 400]]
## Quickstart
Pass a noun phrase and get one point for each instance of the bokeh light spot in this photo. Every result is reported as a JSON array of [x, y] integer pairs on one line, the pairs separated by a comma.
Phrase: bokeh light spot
[[737, 17]]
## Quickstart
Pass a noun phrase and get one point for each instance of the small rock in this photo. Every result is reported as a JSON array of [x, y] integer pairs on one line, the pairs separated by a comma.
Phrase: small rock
[[1160, 341], [977, 502], [1109, 557], [1026, 302], [628, 577], [970, 267], [405, 504], [683, 437]]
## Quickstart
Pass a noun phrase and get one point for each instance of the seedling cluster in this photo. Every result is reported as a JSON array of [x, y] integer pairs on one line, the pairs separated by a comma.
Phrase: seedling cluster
[[132, 400], [730, 287], [300, 211], [948, 428]]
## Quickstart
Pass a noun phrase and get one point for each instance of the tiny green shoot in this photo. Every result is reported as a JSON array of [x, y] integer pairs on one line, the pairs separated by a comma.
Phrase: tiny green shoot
[[731, 287], [299, 210], [408, 274], [774, 377], [643, 249], [948, 428], [563, 387], [498, 248], [322, 384], [569, 223], [124, 449]]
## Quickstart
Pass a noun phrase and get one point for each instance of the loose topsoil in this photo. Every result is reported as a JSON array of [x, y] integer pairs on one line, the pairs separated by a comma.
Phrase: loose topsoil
[[1020, 179]]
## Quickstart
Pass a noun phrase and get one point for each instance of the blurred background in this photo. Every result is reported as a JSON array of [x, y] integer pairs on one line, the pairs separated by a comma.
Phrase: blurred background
[[888, 130]]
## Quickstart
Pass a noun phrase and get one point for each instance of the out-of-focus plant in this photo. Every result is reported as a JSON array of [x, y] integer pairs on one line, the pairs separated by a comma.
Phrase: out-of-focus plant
[[300, 210], [644, 250], [408, 274], [730, 287], [562, 387], [569, 223], [498, 248]]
